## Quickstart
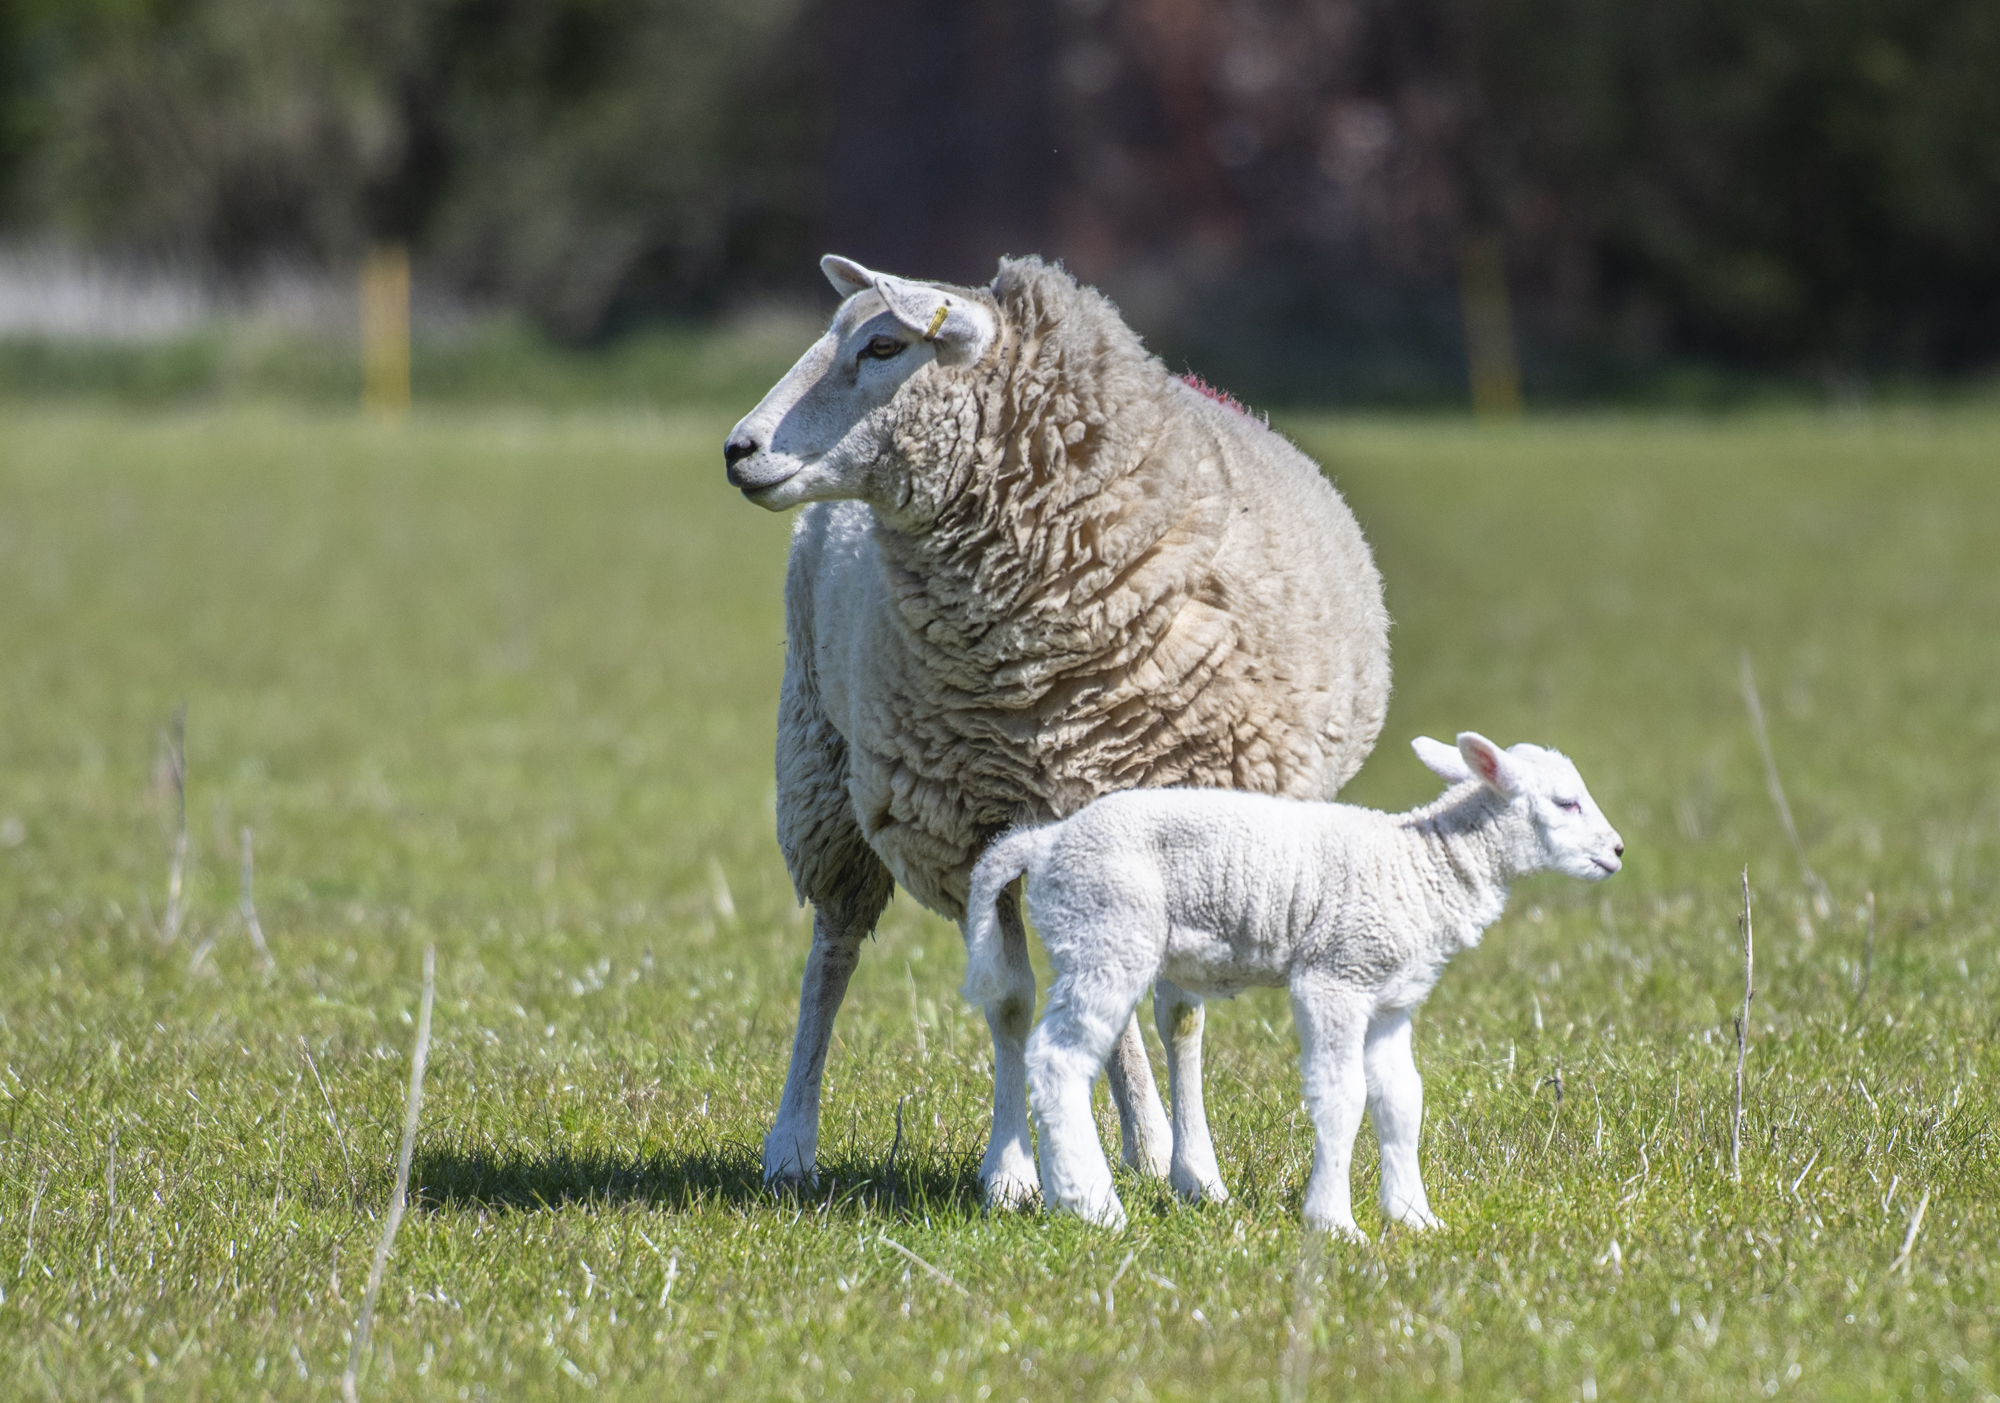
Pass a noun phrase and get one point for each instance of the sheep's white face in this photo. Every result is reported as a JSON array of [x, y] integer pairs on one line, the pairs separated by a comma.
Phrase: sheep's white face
[[1574, 836], [824, 431]]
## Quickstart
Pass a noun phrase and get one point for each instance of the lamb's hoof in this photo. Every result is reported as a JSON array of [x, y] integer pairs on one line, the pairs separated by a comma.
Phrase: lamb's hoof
[[1199, 1188], [1104, 1212], [1346, 1232], [1112, 1217], [1009, 1192], [1420, 1220]]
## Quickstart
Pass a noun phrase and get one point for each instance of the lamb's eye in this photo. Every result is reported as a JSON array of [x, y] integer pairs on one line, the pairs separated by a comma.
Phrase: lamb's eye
[[1570, 806], [881, 348]]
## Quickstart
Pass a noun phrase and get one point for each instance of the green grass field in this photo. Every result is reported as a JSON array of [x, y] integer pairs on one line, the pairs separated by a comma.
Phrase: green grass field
[[505, 683]]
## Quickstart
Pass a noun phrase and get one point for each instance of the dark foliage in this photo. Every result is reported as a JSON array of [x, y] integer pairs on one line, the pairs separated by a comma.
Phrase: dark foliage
[[1276, 187]]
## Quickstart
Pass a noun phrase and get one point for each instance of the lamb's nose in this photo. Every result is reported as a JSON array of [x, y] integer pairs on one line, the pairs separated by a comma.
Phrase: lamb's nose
[[1618, 849], [737, 449]]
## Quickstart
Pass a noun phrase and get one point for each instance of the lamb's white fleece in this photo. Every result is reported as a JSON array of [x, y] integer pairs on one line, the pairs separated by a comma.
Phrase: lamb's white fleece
[[1355, 911]]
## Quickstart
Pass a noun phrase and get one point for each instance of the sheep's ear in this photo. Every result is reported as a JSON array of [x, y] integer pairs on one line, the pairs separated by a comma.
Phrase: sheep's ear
[[960, 328], [1442, 760], [1500, 772], [847, 276]]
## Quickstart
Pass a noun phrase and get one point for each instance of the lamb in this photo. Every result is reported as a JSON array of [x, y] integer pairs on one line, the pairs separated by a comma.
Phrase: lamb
[[1036, 567], [1353, 910]]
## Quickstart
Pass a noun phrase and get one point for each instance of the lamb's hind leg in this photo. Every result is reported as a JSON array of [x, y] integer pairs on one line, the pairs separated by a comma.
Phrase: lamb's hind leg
[[1178, 1015], [1079, 1028], [1396, 1102]]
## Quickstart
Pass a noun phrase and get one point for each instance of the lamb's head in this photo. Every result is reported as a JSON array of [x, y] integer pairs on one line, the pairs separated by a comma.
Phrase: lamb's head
[[1570, 833], [827, 430]]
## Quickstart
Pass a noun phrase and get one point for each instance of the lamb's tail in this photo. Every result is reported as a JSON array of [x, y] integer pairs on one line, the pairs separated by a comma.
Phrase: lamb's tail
[[985, 961]]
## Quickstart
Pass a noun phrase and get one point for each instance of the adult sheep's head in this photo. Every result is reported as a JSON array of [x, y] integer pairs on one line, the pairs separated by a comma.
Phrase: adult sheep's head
[[826, 431]]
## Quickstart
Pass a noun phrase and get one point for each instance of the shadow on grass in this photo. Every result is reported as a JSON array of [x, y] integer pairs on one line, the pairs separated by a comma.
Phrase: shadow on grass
[[450, 1177]]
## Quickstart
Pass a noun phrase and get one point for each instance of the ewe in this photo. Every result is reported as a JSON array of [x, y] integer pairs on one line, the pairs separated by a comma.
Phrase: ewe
[[1038, 568], [1354, 911]]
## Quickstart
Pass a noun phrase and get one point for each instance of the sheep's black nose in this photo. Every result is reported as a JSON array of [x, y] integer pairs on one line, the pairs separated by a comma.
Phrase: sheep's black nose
[[1618, 850], [737, 449]]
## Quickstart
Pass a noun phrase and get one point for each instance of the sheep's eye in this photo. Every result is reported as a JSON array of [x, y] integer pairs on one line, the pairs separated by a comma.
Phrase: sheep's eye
[[1570, 806], [881, 348]]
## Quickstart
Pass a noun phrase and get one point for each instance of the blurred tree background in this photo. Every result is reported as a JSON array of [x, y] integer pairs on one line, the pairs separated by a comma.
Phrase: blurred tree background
[[1281, 191]]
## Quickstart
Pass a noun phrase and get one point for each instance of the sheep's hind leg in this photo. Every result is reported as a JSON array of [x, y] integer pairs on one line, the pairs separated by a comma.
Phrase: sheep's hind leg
[[1078, 1030], [1008, 1171], [1333, 1027], [1396, 1103], [1145, 1136], [1194, 1175], [791, 1150]]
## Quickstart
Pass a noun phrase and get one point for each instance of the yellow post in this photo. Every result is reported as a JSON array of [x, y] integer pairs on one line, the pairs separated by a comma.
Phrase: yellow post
[[1489, 327], [385, 331]]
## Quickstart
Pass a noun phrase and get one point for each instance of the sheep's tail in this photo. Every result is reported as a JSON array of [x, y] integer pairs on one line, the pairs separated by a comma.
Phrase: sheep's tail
[[985, 959]]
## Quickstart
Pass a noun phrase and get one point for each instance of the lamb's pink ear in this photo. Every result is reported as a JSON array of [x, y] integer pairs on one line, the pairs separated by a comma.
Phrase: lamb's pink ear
[[1442, 760], [847, 276], [1490, 763]]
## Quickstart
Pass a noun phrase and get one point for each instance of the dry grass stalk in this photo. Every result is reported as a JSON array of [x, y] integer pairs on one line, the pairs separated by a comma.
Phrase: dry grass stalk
[[1742, 1042], [1910, 1238], [916, 1014], [332, 1119], [173, 762], [1110, 1303], [1822, 899], [34, 1210], [1295, 1376], [398, 1200], [249, 909], [1867, 954], [111, 1198], [889, 1171], [944, 1276]]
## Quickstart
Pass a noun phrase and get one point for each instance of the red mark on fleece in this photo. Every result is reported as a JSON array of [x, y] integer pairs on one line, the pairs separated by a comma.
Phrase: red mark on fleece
[[1222, 397]]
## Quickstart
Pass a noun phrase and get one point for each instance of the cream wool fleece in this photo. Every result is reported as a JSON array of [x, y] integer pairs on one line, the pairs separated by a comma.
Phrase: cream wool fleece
[[1093, 578]]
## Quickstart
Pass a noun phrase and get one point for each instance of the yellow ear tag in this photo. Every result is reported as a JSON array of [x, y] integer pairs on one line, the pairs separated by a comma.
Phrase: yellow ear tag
[[937, 321]]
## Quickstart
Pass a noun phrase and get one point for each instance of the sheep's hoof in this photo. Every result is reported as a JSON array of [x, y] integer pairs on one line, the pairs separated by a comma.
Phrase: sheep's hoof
[[788, 1166], [1007, 1192], [1146, 1157], [1421, 1220], [1199, 1188]]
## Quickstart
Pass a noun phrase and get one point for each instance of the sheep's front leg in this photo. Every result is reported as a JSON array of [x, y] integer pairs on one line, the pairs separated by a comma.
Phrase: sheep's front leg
[[1178, 1015], [1148, 1141], [1008, 1171], [1333, 1028], [791, 1150], [1396, 1102]]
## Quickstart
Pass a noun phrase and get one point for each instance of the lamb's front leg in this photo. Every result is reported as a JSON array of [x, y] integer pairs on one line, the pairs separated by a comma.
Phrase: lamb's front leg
[[1396, 1102], [1178, 1015], [1333, 1029], [1008, 1171]]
